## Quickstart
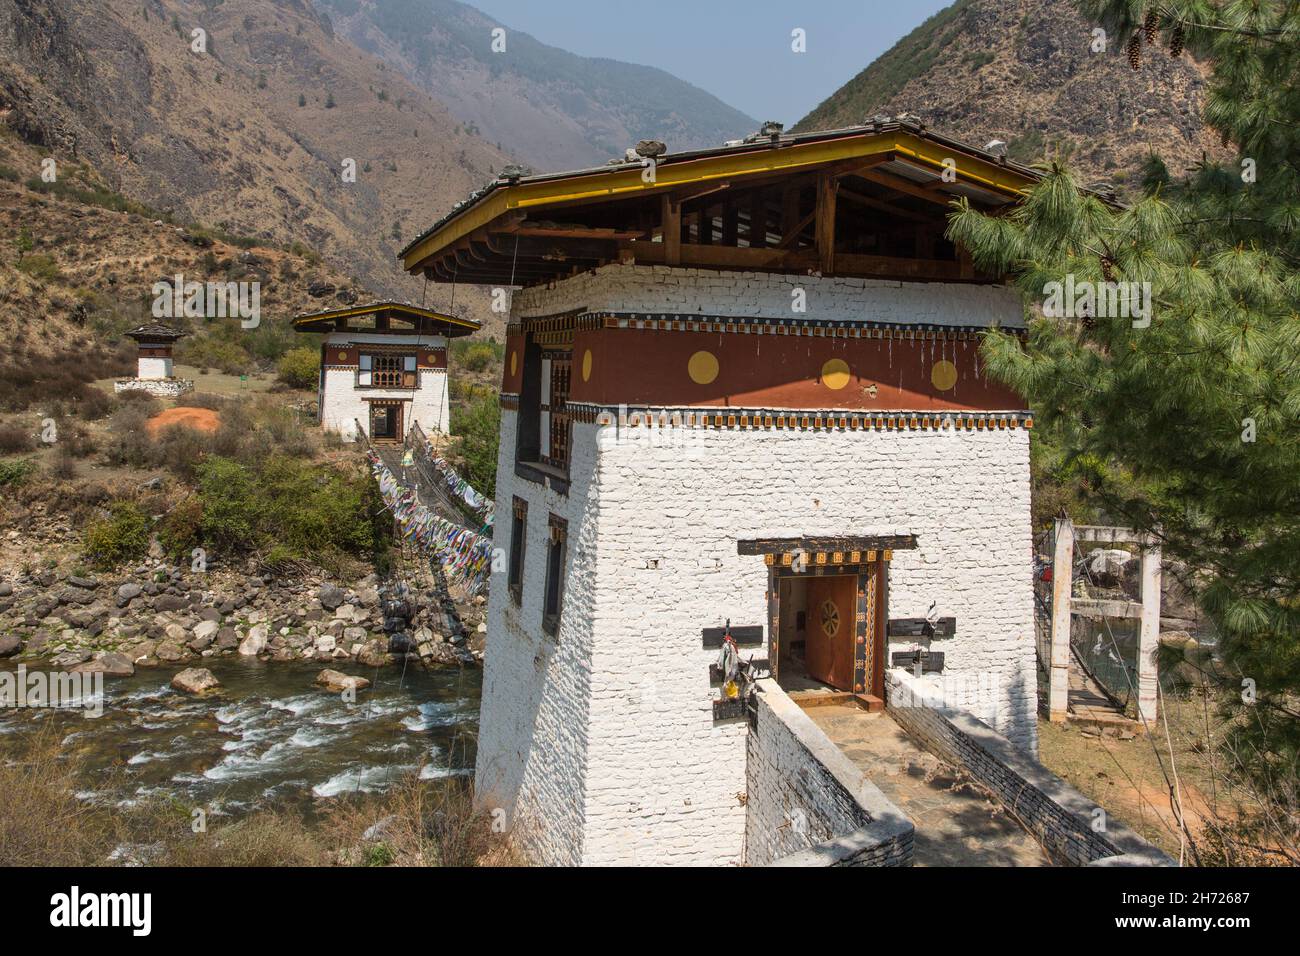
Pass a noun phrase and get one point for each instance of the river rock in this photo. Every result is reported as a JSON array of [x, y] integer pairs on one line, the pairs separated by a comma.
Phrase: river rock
[[108, 663], [127, 593], [6, 589], [1106, 566], [77, 581], [330, 596], [227, 639], [333, 680], [169, 651], [171, 602], [255, 642], [325, 644], [196, 680], [10, 644], [374, 653], [210, 614], [205, 632]]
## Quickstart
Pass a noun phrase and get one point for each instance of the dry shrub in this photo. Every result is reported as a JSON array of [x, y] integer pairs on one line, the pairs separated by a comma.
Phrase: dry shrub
[[63, 467], [270, 837], [14, 440], [42, 823], [62, 380], [420, 823]]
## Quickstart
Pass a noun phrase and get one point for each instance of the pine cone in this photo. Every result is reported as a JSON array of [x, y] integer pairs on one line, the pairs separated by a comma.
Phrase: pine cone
[[1225, 139], [1150, 26], [1108, 268], [1176, 42], [1135, 51]]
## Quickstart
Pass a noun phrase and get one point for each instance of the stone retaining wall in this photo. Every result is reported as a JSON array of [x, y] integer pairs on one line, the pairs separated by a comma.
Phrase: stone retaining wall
[[807, 804], [1072, 828]]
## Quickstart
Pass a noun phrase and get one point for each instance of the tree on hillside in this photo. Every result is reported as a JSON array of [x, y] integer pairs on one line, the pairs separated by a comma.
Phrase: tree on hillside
[[1188, 426]]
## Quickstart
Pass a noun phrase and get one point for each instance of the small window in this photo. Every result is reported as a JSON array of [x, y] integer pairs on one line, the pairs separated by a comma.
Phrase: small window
[[555, 556], [518, 537], [387, 370]]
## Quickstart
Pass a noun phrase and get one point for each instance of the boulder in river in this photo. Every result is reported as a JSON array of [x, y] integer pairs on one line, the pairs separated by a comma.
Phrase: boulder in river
[[338, 681], [10, 644], [108, 663], [255, 643], [196, 680]]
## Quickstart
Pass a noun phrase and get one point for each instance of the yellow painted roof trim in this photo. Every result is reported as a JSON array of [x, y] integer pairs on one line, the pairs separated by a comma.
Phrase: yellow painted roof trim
[[673, 175]]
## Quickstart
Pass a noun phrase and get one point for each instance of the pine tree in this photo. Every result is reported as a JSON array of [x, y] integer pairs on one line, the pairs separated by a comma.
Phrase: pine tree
[[1190, 427]]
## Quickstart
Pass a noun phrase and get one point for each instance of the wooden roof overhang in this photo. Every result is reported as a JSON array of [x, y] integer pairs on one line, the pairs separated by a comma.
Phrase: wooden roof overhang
[[154, 334], [397, 318], [868, 201]]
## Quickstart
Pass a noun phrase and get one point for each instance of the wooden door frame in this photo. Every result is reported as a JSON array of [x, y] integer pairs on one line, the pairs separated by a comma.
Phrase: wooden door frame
[[398, 432], [869, 643]]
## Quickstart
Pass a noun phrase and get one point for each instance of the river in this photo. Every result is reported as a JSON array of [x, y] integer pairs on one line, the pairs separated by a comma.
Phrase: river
[[269, 737]]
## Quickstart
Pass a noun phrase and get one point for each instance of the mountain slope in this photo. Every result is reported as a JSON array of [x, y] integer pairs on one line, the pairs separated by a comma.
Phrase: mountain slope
[[1023, 71], [553, 109], [251, 135]]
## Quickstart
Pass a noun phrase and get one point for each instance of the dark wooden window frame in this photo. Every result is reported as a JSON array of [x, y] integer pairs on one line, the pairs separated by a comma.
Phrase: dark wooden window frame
[[388, 370], [518, 549], [557, 547]]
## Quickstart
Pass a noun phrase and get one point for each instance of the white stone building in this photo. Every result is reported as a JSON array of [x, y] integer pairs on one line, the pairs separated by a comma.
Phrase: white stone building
[[154, 372], [742, 390], [384, 367]]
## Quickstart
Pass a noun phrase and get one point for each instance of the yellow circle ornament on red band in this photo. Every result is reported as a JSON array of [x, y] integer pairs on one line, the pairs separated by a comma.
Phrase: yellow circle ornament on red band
[[835, 374], [702, 368], [944, 375]]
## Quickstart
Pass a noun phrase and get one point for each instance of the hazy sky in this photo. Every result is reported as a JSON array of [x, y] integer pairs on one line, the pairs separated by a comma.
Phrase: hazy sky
[[738, 50]]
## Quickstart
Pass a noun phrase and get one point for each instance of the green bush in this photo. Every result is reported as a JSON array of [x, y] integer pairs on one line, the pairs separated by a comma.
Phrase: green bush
[[286, 509], [121, 537], [14, 472], [476, 356], [478, 423], [300, 368], [41, 267]]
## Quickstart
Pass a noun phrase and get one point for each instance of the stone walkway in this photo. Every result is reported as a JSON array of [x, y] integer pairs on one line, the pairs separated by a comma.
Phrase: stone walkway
[[956, 823]]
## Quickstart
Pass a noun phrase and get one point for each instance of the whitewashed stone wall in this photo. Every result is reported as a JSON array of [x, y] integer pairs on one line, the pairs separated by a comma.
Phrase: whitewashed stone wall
[[601, 743], [1070, 827], [343, 404], [808, 804], [533, 744], [160, 387], [632, 288]]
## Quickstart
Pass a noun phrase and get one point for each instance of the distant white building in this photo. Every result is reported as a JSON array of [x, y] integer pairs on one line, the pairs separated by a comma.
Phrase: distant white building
[[384, 366], [154, 363]]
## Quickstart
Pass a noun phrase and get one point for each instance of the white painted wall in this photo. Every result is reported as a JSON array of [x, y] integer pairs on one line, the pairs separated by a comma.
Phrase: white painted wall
[[153, 366], [629, 288], [342, 403], [600, 743]]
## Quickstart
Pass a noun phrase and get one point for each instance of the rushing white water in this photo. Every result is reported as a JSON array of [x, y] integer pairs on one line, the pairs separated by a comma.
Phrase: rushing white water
[[270, 736]]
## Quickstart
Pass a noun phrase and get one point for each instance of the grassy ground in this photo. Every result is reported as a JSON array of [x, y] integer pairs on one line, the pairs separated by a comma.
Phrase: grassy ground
[[214, 382], [1132, 778]]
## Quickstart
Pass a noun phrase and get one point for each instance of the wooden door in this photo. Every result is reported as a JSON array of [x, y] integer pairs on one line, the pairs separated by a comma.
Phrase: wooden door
[[832, 607]]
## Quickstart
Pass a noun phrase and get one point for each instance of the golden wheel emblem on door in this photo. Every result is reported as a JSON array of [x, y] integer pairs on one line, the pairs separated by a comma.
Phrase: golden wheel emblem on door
[[830, 618]]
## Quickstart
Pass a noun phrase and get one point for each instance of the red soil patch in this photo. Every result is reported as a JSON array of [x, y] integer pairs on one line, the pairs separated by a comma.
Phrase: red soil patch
[[202, 419]]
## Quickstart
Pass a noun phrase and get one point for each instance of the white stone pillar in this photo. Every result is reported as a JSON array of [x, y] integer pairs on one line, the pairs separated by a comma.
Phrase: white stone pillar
[[1058, 691], [1149, 633]]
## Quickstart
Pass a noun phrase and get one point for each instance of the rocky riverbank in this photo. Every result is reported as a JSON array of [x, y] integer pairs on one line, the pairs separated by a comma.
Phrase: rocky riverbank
[[160, 613]]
